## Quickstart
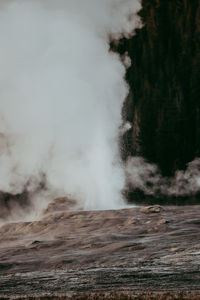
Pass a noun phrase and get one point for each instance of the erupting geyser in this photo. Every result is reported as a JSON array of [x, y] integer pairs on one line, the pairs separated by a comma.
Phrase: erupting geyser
[[61, 93]]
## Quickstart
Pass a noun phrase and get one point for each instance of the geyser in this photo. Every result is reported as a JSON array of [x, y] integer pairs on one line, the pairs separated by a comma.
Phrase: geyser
[[61, 93]]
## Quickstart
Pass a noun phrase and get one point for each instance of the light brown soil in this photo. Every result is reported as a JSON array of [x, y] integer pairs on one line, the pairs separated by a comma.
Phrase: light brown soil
[[133, 250]]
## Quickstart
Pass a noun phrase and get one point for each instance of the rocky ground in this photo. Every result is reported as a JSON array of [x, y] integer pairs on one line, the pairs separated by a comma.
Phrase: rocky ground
[[151, 248]]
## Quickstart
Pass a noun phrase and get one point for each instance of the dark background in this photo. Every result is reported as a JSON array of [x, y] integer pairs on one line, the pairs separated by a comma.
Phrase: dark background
[[164, 100]]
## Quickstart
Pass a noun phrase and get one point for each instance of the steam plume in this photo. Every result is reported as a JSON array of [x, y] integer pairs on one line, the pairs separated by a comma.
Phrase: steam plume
[[61, 93], [147, 177]]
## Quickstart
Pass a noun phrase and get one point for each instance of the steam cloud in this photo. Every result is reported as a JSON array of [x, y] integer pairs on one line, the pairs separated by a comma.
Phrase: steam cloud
[[61, 93], [147, 177]]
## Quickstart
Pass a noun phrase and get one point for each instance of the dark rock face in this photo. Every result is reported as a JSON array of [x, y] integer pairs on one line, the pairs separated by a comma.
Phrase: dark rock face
[[164, 102], [137, 249]]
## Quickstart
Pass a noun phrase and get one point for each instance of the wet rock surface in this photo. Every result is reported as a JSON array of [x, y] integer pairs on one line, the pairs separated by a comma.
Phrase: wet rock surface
[[134, 249]]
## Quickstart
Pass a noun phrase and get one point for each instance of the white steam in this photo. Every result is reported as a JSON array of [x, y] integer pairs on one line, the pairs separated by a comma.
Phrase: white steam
[[147, 177], [61, 93]]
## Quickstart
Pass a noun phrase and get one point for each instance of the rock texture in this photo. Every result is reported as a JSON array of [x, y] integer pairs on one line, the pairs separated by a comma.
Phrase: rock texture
[[134, 249]]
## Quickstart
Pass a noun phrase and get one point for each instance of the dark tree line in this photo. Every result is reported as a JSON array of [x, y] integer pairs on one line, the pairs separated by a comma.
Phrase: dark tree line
[[164, 100]]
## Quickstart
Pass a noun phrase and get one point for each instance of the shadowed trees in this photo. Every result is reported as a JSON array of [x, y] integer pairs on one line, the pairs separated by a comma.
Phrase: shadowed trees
[[164, 102]]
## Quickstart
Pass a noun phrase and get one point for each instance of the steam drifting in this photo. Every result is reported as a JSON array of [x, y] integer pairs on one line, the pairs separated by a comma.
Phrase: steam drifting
[[61, 92], [147, 177]]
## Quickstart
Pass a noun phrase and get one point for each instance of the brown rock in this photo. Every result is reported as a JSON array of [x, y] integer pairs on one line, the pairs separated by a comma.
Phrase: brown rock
[[151, 209], [60, 205], [162, 222]]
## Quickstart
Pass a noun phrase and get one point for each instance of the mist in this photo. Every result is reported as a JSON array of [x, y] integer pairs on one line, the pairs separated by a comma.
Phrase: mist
[[61, 94], [147, 177]]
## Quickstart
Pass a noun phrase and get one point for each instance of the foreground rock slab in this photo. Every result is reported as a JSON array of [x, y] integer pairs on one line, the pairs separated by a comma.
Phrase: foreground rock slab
[[135, 249]]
